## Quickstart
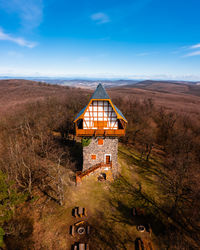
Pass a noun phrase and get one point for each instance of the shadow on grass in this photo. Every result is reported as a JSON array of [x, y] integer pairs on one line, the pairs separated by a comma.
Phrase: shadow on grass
[[114, 226], [126, 196], [145, 169], [105, 235]]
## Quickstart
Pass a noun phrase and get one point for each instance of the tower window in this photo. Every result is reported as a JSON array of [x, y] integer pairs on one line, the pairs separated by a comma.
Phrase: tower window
[[100, 141], [93, 157], [120, 125], [80, 124]]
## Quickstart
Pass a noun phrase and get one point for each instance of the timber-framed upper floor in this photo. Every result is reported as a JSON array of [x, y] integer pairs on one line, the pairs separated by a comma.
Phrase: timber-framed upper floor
[[100, 117]]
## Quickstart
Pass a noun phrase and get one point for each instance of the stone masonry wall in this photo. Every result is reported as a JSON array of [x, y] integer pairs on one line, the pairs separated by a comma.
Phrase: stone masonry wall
[[110, 146]]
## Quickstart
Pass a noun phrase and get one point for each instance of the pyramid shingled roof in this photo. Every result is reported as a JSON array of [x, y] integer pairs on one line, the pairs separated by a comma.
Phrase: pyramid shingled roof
[[120, 113], [80, 113], [100, 93]]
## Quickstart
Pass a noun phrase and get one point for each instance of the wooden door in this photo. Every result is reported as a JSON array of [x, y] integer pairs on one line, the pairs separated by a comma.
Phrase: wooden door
[[107, 159]]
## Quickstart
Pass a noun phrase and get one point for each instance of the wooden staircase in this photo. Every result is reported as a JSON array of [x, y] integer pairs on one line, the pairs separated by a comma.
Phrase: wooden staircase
[[80, 175]]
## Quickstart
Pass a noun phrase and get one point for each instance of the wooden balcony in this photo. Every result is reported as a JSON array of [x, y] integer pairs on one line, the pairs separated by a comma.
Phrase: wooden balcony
[[100, 132]]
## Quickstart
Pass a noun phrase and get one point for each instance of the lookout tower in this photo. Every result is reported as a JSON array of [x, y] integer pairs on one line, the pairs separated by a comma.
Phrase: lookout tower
[[100, 124]]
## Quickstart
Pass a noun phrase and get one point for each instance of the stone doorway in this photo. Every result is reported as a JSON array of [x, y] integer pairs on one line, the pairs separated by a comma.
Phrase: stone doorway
[[108, 159]]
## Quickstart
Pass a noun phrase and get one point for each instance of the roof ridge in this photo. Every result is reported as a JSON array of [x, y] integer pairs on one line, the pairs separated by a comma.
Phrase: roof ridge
[[100, 93]]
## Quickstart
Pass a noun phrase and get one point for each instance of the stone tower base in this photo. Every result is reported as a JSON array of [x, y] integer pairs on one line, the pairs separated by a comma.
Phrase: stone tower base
[[101, 150]]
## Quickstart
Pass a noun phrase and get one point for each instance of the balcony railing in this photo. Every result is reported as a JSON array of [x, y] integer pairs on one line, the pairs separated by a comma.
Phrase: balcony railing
[[100, 132]]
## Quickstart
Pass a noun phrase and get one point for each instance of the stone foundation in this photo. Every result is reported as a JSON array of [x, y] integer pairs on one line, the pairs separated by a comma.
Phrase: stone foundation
[[94, 153]]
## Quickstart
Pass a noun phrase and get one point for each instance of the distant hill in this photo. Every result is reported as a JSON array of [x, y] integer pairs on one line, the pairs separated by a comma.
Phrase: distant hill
[[174, 96], [168, 86], [15, 92], [82, 83], [90, 84]]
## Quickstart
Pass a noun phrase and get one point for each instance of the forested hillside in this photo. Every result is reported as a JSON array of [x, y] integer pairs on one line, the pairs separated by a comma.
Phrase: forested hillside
[[39, 155]]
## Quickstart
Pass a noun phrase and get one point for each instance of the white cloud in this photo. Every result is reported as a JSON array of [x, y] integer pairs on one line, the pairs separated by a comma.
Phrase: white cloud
[[18, 40], [30, 12], [100, 18], [195, 46], [195, 53]]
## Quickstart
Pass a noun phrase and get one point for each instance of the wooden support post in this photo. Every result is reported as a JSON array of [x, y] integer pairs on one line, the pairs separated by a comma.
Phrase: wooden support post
[[80, 211], [88, 230], [84, 212], [78, 177], [72, 230]]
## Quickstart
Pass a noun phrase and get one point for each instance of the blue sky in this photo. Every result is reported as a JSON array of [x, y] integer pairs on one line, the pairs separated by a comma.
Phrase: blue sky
[[133, 39]]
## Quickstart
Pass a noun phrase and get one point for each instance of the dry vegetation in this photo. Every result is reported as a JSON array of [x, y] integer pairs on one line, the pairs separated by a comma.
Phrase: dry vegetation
[[15, 93], [159, 157], [174, 97]]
